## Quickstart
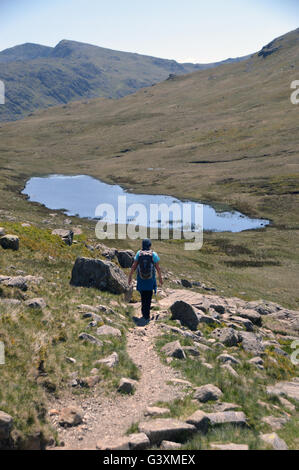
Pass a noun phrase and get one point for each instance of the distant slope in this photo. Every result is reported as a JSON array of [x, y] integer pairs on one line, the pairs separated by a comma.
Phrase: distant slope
[[38, 76]]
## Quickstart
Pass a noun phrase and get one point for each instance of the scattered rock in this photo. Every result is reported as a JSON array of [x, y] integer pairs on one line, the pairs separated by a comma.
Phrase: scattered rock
[[89, 382], [287, 404], [225, 407], [230, 446], [274, 441], [36, 303], [200, 420], [230, 370], [103, 275], [156, 411], [207, 392], [127, 385], [109, 361], [2, 231], [70, 416], [228, 358], [248, 325], [227, 336], [174, 349], [236, 418], [6, 422], [257, 361], [275, 422], [252, 342], [191, 350], [9, 242], [168, 429], [108, 330], [65, 235], [169, 445], [290, 389], [138, 441], [121, 443], [185, 313], [186, 283], [87, 337], [18, 282], [71, 360], [253, 316]]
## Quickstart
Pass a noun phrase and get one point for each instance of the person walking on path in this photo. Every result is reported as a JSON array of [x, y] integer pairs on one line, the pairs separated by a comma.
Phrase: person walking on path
[[146, 262]]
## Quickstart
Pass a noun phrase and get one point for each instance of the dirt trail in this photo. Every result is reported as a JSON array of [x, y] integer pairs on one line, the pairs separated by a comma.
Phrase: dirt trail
[[110, 417]]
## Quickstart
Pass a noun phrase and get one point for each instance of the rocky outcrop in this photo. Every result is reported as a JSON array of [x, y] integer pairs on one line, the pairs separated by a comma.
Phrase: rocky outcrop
[[274, 441], [290, 389], [103, 275]]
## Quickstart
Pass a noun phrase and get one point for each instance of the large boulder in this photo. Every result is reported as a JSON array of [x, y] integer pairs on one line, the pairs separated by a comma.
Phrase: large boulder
[[103, 275], [168, 429], [185, 313], [127, 385], [207, 392], [125, 258], [251, 315], [107, 330], [200, 420], [228, 336], [10, 242]]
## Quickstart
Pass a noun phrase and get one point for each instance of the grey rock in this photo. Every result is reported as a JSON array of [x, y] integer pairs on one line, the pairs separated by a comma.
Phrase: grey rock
[[125, 258], [36, 303], [91, 339], [289, 389], [89, 382], [65, 235], [230, 446], [110, 361], [18, 282], [227, 358], [274, 441], [70, 416], [252, 315], [191, 350], [207, 392], [121, 443], [227, 336], [108, 330], [168, 429], [186, 283], [225, 407], [127, 385], [174, 349], [103, 275], [252, 342], [236, 418], [230, 370], [169, 445], [6, 422], [275, 422], [9, 242], [138, 441], [256, 361], [200, 420], [248, 325], [156, 411], [185, 313]]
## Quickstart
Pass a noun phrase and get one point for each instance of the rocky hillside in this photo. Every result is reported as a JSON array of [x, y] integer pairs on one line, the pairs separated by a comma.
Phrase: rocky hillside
[[38, 76], [207, 372]]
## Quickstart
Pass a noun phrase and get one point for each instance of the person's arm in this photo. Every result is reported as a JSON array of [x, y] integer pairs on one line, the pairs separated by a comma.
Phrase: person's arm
[[157, 266], [133, 269]]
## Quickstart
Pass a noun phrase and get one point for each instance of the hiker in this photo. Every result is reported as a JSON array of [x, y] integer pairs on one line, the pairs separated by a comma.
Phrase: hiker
[[146, 262]]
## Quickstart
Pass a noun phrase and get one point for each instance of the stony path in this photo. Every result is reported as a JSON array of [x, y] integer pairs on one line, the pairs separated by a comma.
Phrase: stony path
[[110, 417]]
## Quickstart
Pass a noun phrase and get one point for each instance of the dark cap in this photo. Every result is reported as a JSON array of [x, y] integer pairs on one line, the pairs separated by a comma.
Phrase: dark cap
[[146, 244]]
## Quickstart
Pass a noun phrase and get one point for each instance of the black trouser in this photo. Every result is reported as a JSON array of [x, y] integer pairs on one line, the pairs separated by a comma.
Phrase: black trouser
[[146, 299]]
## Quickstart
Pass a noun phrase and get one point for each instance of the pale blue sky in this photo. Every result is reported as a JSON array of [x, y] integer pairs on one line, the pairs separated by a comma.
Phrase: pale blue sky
[[184, 30]]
